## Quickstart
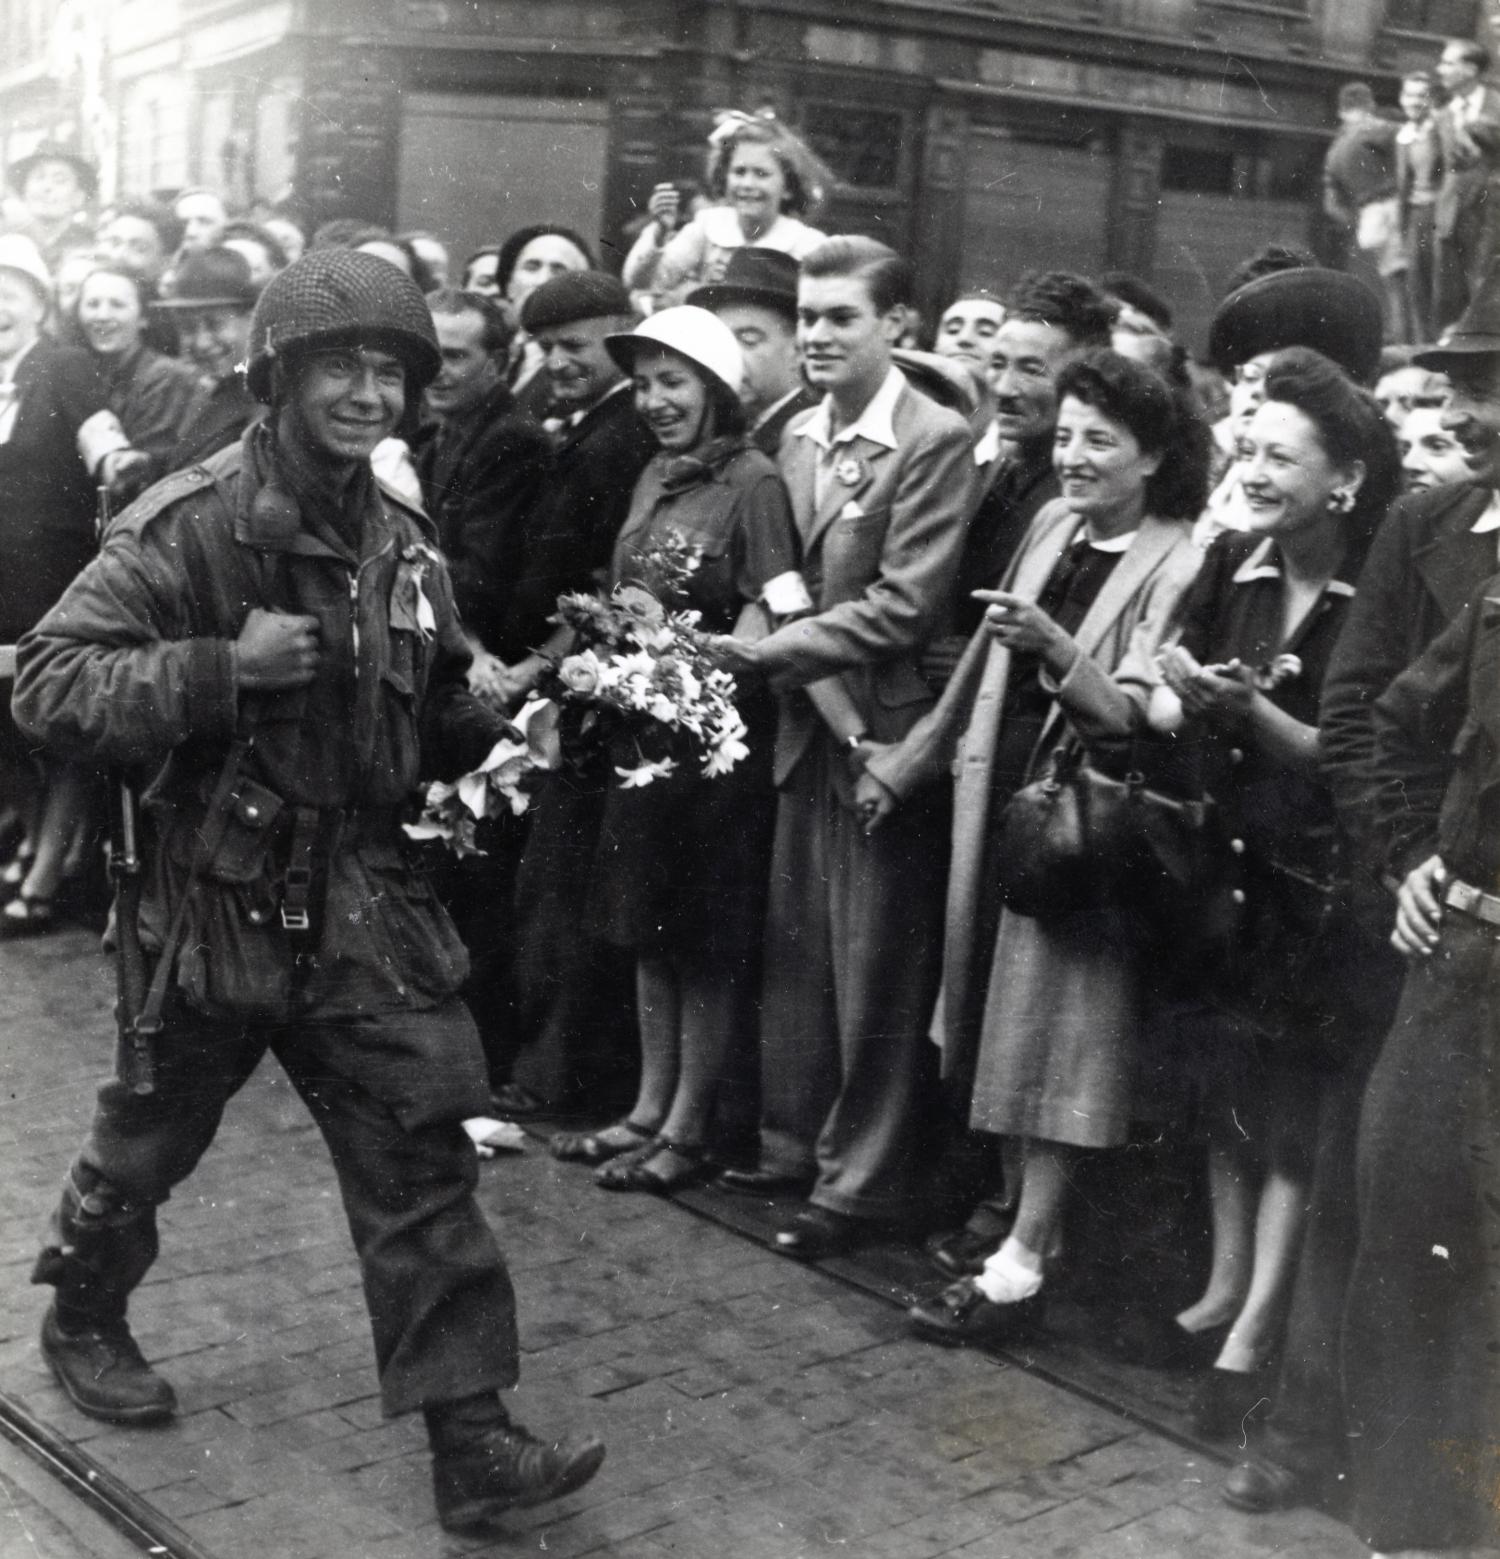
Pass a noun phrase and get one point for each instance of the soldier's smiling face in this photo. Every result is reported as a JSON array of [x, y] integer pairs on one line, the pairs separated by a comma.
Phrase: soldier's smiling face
[[347, 400]]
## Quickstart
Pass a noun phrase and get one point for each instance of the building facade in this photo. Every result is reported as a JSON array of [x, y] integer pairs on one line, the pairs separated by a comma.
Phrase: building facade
[[1165, 137]]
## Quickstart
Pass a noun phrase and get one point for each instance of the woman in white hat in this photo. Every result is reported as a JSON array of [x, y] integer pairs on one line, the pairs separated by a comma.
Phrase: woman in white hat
[[683, 862]]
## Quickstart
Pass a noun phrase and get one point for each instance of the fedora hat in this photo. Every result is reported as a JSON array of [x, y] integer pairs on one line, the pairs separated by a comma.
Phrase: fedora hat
[[212, 279], [1329, 311], [1475, 333], [54, 151], [753, 275], [692, 333]]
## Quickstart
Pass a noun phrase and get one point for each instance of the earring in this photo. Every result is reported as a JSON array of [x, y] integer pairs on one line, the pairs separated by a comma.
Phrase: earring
[[1341, 500]]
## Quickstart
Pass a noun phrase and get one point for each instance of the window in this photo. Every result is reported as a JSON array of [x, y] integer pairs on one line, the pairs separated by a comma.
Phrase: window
[[1443, 18], [861, 145]]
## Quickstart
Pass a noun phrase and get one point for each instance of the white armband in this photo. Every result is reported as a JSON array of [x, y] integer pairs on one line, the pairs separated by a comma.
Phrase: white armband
[[786, 595], [98, 436]]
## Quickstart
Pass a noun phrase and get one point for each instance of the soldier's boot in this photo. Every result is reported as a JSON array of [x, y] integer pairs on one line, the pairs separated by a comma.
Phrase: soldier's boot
[[98, 1247], [483, 1464]]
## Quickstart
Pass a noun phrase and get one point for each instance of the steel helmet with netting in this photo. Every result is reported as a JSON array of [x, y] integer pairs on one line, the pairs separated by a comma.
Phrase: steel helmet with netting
[[340, 297]]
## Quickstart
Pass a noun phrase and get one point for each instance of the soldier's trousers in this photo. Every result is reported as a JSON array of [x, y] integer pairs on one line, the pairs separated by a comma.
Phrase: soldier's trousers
[[389, 1093]]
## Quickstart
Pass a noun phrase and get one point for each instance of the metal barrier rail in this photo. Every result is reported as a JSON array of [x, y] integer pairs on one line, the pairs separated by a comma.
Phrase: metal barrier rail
[[135, 1518]]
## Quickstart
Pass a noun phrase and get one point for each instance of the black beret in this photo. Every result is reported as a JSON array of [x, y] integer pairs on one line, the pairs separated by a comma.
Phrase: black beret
[[574, 295], [1327, 310]]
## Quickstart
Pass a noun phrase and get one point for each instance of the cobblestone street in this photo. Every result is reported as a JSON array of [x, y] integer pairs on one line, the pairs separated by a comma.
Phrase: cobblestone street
[[753, 1408]]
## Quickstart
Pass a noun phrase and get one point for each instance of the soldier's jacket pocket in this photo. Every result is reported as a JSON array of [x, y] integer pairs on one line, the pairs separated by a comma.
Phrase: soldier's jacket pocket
[[243, 854]]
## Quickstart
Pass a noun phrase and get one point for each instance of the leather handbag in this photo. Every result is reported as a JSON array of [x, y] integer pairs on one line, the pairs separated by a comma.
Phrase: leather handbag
[[1081, 836]]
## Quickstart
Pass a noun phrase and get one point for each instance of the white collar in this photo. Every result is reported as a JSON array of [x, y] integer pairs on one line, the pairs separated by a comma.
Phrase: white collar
[[875, 422], [1490, 519], [721, 226], [1114, 544], [1413, 130], [1265, 563]]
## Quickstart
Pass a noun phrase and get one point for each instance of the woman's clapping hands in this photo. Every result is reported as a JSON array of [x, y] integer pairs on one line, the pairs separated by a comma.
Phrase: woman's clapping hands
[[1223, 693]]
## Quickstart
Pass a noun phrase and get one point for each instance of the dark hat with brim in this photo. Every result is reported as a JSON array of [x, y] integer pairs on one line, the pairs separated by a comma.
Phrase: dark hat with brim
[[1329, 311], [211, 279], [54, 151], [753, 275], [1476, 333]]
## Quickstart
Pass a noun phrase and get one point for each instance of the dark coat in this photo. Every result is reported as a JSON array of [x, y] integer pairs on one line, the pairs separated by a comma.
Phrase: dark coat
[[481, 474], [136, 666], [215, 421], [1424, 567], [571, 529], [767, 435], [1437, 752], [1018, 490], [1418, 1346], [1299, 966], [47, 497], [153, 396]]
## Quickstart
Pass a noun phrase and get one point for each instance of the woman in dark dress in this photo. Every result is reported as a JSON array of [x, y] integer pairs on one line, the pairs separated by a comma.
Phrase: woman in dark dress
[[683, 862], [1301, 986]]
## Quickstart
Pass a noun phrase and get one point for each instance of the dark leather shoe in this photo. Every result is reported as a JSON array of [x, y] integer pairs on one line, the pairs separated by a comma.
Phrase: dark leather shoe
[[763, 1182], [104, 1374], [962, 1316], [960, 1252], [505, 1469], [1262, 1484], [816, 1233]]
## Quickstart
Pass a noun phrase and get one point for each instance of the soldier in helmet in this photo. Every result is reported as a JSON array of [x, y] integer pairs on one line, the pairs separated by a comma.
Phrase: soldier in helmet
[[273, 636]]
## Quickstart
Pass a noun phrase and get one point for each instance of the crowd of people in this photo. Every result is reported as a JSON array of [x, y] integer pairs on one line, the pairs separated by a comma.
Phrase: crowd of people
[[976, 584]]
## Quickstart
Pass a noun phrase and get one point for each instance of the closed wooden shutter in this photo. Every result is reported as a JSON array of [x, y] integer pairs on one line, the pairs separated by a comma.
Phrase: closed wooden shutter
[[1032, 205], [475, 167]]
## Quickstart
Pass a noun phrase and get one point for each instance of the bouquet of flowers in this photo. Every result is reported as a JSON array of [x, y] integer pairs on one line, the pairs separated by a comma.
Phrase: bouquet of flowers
[[640, 687], [501, 784], [639, 692]]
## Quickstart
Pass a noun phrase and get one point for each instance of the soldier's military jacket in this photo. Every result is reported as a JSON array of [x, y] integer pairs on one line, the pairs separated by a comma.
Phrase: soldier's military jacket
[[136, 665]]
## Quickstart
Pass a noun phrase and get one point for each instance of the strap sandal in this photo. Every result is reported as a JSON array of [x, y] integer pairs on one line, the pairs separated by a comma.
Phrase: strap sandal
[[661, 1166], [598, 1147], [28, 915]]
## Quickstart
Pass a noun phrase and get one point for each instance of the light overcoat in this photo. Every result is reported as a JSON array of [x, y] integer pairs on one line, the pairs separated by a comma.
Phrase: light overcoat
[[962, 731]]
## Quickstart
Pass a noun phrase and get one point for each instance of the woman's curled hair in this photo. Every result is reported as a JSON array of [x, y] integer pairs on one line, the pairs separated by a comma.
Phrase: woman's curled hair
[[1350, 426], [1162, 419]]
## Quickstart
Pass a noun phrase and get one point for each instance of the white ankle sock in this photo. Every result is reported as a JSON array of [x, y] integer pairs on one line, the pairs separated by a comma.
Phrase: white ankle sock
[[1012, 1274]]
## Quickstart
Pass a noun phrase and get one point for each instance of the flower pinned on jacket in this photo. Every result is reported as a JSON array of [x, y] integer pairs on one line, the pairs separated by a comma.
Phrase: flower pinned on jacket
[[851, 471], [411, 611], [1284, 668]]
